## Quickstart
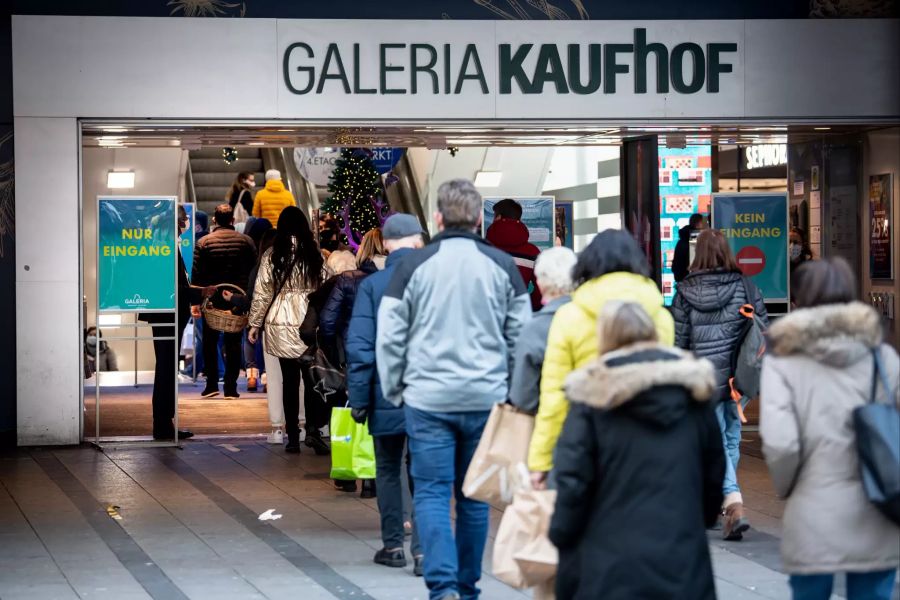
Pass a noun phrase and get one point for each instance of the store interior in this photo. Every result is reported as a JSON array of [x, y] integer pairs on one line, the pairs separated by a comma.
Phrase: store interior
[[579, 166]]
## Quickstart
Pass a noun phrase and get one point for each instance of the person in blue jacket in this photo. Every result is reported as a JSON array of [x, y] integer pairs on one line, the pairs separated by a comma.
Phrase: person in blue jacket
[[402, 236]]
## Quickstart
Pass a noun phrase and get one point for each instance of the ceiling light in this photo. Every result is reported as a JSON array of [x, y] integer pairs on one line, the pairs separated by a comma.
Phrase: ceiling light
[[120, 180], [256, 143], [110, 319], [488, 178], [822, 128]]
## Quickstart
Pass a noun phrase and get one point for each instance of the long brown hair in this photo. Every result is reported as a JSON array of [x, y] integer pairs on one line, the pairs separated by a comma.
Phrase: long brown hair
[[713, 252], [237, 185], [371, 244]]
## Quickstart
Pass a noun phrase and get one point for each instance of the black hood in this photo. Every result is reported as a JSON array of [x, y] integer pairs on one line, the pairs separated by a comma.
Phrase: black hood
[[684, 234], [708, 291], [650, 382]]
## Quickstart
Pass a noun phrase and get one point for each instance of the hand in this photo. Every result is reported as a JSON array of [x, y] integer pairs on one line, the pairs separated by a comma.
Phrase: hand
[[539, 480], [227, 295], [359, 414], [253, 335], [195, 312]]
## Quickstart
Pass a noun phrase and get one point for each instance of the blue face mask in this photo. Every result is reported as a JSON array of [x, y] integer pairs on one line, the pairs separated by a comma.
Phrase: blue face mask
[[795, 250], [92, 340]]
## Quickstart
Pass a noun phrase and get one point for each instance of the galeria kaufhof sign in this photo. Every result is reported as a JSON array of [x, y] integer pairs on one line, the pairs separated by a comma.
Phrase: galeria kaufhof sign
[[642, 65]]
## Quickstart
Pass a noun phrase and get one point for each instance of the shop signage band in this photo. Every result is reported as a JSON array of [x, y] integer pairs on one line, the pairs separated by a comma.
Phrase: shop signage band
[[576, 68]]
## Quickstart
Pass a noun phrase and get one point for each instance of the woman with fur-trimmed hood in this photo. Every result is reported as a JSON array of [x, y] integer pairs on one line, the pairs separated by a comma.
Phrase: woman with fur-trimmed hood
[[820, 368], [639, 469]]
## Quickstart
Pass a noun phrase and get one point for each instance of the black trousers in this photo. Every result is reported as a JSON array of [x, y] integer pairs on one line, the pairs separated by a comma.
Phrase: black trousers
[[163, 397], [232, 351], [290, 398]]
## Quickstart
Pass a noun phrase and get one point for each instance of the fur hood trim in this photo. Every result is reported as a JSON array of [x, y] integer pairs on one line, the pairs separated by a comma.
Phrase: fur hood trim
[[606, 387], [819, 330]]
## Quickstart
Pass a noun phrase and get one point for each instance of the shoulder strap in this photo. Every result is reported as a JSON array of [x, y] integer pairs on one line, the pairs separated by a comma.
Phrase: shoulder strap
[[878, 372]]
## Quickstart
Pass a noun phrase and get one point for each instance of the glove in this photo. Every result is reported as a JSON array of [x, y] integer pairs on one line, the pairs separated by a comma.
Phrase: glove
[[359, 414]]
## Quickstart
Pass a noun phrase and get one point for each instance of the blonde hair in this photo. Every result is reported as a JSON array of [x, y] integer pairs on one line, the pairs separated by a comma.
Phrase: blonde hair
[[340, 261], [371, 245], [622, 324]]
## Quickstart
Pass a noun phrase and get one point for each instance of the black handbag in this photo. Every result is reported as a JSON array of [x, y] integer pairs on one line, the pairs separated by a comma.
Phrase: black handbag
[[329, 382], [877, 427]]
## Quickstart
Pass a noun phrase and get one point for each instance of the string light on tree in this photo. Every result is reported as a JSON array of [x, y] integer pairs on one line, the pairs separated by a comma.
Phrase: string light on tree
[[229, 155], [356, 195]]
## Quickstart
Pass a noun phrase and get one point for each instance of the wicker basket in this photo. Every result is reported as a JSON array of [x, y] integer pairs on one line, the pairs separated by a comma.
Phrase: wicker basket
[[223, 320]]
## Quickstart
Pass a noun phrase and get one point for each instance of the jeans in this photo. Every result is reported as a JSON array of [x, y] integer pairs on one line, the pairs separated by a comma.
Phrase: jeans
[[730, 426], [249, 352], [211, 358], [875, 585], [441, 446], [388, 479]]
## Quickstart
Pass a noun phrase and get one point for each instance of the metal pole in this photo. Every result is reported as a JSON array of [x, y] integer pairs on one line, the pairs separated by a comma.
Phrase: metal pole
[[97, 315], [135, 351], [177, 261]]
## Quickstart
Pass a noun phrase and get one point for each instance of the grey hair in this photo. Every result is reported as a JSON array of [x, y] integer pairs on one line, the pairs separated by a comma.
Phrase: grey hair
[[459, 204], [553, 270], [622, 324]]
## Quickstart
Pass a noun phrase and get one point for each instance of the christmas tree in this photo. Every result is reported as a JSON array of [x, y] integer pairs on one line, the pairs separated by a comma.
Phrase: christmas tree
[[356, 195]]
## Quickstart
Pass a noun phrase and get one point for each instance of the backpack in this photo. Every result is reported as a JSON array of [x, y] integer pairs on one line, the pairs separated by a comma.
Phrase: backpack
[[747, 356]]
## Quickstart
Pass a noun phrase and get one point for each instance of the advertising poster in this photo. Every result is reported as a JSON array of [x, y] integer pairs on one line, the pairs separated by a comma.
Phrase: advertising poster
[[537, 215], [186, 239], [316, 164], [565, 224], [136, 253], [685, 188], [756, 225], [881, 260]]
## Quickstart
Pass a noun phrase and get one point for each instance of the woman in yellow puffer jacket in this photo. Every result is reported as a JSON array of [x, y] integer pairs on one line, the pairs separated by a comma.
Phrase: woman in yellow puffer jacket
[[273, 198], [612, 267]]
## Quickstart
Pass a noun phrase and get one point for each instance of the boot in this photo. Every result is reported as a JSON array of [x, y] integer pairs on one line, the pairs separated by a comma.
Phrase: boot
[[265, 382], [735, 524], [252, 379], [293, 445]]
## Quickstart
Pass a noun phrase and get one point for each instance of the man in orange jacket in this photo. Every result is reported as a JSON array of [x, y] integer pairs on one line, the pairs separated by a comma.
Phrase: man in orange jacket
[[272, 199]]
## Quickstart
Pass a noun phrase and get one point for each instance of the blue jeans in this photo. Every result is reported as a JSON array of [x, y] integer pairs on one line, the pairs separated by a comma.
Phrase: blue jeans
[[441, 446], [730, 426], [876, 585]]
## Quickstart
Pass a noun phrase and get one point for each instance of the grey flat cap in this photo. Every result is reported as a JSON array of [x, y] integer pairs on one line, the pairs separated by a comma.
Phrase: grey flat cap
[[399, 226]]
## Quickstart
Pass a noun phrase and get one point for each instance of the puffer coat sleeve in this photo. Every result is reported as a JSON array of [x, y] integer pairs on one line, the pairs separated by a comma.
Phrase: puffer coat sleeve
[[576, 478], [263, 290], [779, 429]]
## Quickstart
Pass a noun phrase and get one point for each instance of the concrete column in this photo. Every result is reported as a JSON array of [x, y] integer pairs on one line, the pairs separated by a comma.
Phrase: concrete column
[[48, 304]]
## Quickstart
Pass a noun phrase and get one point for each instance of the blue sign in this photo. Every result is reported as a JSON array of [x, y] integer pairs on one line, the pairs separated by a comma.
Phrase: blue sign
[[537, 215], [385, 159], [756, 226], [186, 239]]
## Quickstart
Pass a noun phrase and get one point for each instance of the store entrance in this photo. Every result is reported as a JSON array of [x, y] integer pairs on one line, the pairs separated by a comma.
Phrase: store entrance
[[579, 166]]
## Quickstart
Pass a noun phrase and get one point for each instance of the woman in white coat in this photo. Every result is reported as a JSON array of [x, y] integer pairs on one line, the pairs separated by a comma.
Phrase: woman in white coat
[[820, 368]]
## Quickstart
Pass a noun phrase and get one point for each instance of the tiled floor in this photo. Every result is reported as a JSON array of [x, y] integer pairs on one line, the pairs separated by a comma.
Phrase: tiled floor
[[189, 528]]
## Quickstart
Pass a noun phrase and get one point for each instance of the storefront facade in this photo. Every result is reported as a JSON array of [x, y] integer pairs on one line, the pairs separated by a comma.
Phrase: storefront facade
[[358, 74]]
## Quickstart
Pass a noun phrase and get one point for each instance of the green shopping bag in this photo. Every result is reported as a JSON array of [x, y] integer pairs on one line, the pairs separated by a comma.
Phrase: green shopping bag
[[352, 447]]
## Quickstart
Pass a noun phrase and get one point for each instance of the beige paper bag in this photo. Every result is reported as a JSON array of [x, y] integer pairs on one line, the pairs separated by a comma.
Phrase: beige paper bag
[[498, 466], [523, 553]]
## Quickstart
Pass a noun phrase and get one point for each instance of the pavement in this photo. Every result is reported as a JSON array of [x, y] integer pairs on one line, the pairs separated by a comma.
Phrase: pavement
[[166, 523]]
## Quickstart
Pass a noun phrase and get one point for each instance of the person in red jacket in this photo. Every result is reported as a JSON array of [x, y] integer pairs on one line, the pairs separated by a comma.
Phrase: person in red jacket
[[509, 234]]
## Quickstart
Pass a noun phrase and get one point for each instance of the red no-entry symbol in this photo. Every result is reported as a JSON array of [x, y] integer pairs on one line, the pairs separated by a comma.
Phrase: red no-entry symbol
[[751, 260]]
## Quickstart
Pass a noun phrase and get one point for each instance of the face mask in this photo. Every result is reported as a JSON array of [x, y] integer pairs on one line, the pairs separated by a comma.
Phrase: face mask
[[249, 184], [92, 340], [795, 251]]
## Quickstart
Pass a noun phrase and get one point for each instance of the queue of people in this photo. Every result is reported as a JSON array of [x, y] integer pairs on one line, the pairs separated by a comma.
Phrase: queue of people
[[637, 426]]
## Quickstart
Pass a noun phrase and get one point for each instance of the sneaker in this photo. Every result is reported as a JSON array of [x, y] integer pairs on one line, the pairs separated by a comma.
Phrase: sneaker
[[314, 440], [276, 437], [232, 395], [735, 524], [252, 379], [368, 488], [390, 558], [419, 565], [209, 392], [292, 447], [450, 596]]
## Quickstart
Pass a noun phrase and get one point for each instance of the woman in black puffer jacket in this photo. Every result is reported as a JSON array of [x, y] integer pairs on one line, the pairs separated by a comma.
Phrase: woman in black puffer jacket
[[708, 322]]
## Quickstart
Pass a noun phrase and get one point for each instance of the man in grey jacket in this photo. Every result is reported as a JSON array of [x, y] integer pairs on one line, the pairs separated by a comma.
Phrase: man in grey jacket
[[447, 329], [553, 272]]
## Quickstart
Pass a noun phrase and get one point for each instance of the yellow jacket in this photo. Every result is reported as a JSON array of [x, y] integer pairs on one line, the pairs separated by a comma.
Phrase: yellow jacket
[[271, 200], [572, 342]]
